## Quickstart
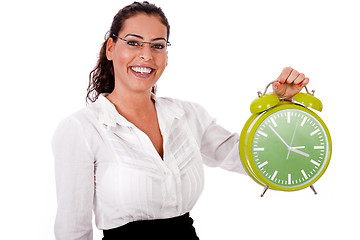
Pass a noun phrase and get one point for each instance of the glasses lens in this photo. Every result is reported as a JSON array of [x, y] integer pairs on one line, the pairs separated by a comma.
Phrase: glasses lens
[[133, 42], [136, 43], [159, 46]]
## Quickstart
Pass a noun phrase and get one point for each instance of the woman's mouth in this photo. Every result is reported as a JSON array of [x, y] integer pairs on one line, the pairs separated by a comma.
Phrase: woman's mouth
[[142, 72]]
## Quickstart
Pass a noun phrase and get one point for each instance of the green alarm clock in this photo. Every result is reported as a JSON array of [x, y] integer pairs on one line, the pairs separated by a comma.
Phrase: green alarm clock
[[284, 145]]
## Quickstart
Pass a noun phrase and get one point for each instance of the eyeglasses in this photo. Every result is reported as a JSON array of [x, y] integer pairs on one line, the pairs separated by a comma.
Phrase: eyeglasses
[[134, 43]]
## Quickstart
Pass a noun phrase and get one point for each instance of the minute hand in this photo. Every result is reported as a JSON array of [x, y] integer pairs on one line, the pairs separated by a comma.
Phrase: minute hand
[[287, 145]]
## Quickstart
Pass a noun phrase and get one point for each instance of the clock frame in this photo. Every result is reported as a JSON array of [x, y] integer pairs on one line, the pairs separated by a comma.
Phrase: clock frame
[[268, 151]]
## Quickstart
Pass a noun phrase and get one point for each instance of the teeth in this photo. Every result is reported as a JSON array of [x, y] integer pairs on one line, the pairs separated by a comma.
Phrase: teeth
[[142, 70]]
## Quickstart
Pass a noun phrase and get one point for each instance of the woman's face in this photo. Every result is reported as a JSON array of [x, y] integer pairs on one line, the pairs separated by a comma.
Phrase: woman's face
[[138, 68]]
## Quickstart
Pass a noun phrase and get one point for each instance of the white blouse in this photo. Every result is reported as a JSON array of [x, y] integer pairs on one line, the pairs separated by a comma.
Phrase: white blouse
[[105, 164]]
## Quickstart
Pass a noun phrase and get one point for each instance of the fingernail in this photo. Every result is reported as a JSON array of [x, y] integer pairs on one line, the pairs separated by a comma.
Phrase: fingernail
[[300, 85], [277, 85]]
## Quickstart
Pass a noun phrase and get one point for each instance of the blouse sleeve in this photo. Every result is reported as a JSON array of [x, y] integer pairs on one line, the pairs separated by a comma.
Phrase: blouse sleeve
[[219, 147], [74, 172]]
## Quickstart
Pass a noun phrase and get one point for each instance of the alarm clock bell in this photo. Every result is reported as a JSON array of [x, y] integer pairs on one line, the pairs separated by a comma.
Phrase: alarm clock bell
[[308, 100], [267, 101]]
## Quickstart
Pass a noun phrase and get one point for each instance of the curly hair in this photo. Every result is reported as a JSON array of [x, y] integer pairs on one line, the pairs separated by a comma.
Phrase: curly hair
[[101, 78]]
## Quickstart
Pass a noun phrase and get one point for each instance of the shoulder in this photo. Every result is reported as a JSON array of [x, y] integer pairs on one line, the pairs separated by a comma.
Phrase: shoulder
[[78, 118], [77, 124], [88, 115], [71, 125]]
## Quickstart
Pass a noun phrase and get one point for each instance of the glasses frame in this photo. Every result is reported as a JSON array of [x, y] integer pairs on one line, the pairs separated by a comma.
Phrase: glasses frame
[[142, 42]]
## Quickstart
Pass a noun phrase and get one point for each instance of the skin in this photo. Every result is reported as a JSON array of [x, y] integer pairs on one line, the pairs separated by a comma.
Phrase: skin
[[132, 94], [289, 83]]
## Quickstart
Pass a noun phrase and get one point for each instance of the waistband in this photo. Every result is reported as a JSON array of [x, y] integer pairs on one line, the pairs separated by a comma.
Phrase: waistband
[[176, 228]]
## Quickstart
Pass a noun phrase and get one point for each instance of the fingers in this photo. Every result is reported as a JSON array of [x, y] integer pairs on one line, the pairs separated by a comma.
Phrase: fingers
[[304, 82], [291, 76], [284, 75]]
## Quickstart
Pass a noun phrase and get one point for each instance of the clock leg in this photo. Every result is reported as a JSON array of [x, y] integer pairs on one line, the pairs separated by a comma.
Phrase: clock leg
[[312, 188], [265, 189]]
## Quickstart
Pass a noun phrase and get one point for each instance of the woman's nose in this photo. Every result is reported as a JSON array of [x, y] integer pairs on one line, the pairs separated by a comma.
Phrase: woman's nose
[[146, 52]]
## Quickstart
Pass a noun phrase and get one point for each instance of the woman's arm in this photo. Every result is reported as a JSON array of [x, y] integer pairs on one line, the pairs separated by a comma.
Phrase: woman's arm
[[218, 146], [74, 171]]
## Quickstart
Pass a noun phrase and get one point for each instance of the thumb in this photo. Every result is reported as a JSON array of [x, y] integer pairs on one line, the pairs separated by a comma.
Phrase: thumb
[[278, 88]]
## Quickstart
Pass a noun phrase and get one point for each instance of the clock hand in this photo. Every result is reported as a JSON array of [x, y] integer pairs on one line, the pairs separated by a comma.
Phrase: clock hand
[[292, 139], [299, 147], [289, 148], [298, 152], [279, 136]]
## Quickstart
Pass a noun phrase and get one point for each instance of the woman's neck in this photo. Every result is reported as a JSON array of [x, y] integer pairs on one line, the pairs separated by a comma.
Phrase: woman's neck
[[132, 104]]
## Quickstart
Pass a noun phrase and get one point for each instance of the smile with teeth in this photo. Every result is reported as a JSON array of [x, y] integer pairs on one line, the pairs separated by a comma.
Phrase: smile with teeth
[[142, 70]]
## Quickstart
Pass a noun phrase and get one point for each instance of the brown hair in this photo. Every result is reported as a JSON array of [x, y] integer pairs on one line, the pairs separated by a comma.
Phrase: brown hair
[[101, 78]]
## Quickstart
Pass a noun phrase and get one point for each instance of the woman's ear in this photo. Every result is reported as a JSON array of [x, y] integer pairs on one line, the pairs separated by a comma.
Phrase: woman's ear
[[109, 49]]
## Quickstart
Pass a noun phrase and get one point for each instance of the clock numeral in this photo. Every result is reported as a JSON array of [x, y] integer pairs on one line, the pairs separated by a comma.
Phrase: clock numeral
[[303, 121], [314, 162], [262, 133], [273, 122], [258, 149], [314, 132], [288, 117], [289, 178], [304, 174], [263, 164], [274, 175]]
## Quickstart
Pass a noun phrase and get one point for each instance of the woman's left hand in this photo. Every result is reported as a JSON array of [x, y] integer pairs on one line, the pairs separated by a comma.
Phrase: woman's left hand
[[289, 83]]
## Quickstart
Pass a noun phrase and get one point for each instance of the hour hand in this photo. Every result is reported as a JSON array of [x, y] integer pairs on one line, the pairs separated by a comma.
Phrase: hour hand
[[287, 145], [293, 149]]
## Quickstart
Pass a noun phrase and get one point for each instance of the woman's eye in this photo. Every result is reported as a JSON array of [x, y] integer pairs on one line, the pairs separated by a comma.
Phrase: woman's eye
[[133, 43], [158, 46]]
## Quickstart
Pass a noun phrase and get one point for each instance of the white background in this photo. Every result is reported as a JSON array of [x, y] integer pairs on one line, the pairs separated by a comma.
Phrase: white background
[[222, 53]]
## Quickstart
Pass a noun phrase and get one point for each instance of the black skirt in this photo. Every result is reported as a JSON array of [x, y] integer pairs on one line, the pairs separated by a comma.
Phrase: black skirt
[[177, 228]]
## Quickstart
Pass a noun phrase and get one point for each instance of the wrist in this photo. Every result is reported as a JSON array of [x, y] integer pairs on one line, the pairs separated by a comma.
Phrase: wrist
[[283, 98]]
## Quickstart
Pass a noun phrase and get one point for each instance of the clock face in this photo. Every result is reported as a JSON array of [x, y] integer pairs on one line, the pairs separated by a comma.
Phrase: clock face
[[290, 148]]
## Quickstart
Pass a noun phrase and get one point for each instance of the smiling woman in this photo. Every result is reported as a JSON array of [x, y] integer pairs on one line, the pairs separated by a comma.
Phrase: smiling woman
[[140, 34], [133, 158], [102, 78]]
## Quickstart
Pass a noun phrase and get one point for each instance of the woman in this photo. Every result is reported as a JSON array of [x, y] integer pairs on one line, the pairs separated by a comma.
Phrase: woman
[[134, 159]]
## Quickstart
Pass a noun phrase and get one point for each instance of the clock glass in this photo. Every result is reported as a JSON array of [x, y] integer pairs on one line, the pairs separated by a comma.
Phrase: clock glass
[[290, 148]]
